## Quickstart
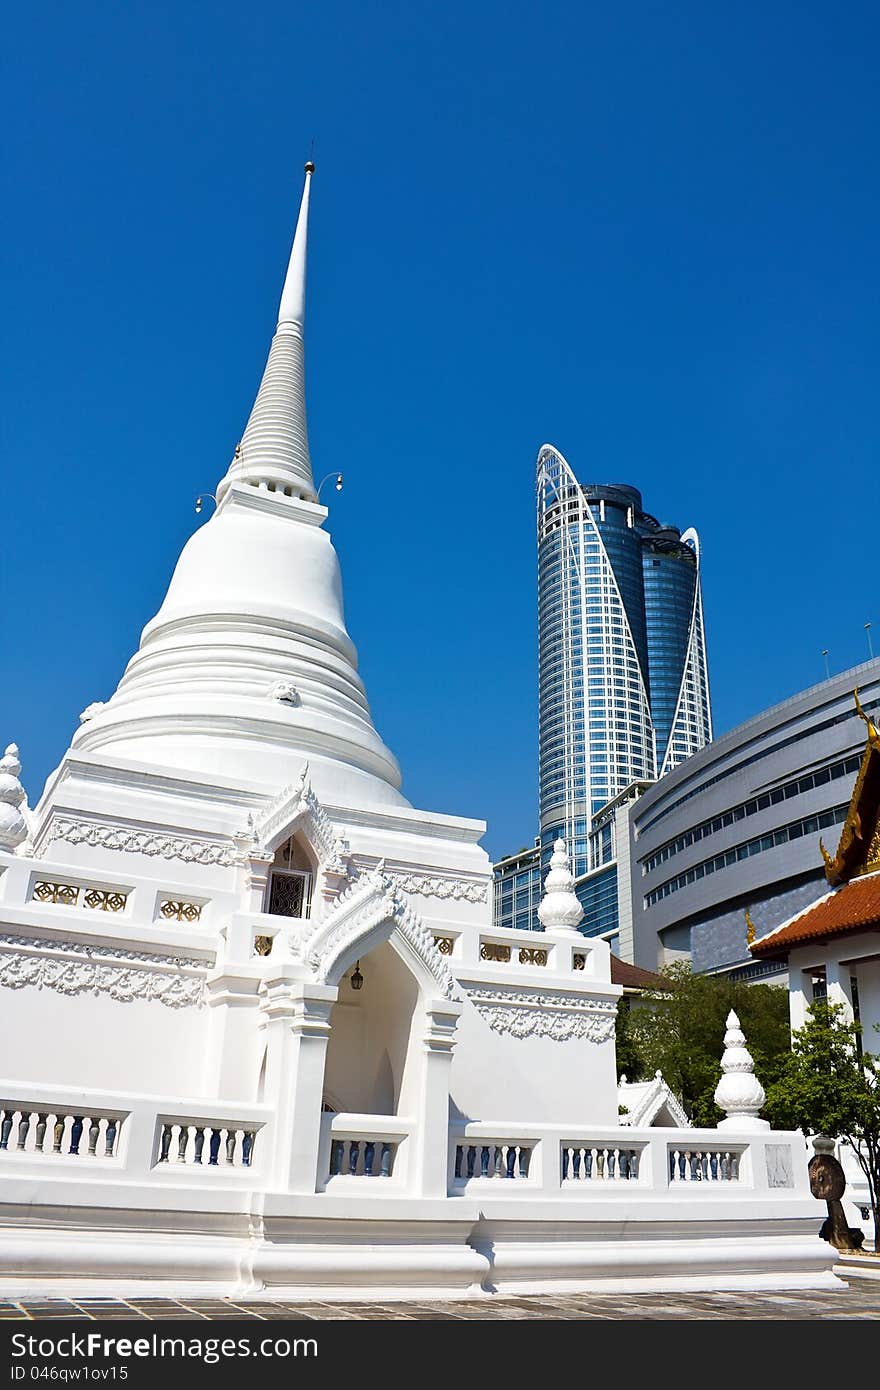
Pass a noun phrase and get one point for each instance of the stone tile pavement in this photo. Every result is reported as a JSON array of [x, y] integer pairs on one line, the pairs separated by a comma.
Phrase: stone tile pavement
[[859, 1300]]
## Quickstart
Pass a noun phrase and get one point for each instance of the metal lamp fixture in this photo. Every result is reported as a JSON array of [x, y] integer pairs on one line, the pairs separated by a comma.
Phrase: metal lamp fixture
[[337, 484], [357, 979]]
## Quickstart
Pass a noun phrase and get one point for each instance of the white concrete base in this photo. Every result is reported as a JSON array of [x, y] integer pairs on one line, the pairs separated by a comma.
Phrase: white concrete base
[[316, 1259]]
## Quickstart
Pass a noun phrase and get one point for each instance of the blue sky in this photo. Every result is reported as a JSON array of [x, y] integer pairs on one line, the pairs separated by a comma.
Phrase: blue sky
[[644, 233]]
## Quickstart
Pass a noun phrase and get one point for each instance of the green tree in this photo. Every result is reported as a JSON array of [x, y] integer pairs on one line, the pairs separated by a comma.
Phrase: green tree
[[830, 1086], [681, 1032]]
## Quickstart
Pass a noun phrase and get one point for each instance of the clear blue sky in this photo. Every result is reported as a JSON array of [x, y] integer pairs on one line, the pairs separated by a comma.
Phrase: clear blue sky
[[646, 233]]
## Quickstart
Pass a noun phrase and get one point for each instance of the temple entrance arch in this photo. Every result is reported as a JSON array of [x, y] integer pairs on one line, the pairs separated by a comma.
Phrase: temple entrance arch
[[376, 1030]]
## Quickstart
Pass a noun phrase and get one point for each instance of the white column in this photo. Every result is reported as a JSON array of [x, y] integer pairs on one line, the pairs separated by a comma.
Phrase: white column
[[837, 981], [231, 1068], [296, 1021], [431, 1139], [800, 995]]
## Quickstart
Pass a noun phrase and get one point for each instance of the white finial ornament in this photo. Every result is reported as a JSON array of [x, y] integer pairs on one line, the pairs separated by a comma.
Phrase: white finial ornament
[[13, 802], [739, 1092], [559, 907]]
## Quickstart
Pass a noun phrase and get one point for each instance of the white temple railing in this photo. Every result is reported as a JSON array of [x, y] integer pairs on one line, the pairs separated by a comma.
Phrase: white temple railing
[[359, 1147], [574, 1162], [584, 1161], [43, 1127]]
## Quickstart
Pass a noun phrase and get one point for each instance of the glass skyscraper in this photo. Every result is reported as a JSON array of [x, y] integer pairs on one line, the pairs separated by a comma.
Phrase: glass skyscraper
[[623, 679]]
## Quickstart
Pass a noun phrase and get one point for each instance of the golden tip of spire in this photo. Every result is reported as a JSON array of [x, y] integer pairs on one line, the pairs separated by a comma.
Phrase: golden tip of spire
[[310, 168]]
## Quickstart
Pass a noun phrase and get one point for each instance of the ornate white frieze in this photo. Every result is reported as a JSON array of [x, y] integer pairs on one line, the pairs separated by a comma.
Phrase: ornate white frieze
[[104, 835], [525, 1014], [467, 890], [79, 967]]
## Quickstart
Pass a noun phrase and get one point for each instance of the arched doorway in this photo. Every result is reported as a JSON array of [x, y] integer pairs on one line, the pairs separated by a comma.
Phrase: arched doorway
[[373, 1056]]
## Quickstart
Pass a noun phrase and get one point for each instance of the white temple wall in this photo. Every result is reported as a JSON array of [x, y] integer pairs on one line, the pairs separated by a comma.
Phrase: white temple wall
[[93, 1041], [527, 1079]]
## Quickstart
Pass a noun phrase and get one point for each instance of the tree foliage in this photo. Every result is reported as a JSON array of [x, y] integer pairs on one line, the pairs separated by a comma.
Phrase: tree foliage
[[681, 1033], [830, 1086]]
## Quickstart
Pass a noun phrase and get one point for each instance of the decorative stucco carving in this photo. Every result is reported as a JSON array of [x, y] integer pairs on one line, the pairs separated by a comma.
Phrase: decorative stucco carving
[[437, 886], [372, 899], [295, 804], [107, 836], [77, 967], [285, 693], [90, 711], [524, 1015]]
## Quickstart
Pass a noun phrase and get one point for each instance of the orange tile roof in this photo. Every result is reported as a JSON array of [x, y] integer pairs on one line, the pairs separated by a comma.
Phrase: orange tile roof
[[851, 908]]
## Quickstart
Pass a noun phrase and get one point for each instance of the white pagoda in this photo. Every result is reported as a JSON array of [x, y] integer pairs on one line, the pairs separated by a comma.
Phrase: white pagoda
[[258, 1031]]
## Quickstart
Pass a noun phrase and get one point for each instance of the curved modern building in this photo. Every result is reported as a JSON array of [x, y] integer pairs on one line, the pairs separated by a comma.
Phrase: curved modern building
[[623, 677], [738, 827]]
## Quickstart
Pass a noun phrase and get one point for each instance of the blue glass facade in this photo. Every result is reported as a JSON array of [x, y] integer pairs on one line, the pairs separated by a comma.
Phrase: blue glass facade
[[670, 576], [623, 687]]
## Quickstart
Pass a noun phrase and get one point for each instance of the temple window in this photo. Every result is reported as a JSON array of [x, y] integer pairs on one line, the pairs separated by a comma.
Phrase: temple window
[[290, 881]]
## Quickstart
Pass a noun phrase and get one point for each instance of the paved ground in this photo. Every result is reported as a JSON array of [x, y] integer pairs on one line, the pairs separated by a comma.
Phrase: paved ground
[[858, 1300]]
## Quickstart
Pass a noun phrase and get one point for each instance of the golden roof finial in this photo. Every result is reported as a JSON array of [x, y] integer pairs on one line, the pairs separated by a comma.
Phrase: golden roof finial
[[750, 928], [872, 728]]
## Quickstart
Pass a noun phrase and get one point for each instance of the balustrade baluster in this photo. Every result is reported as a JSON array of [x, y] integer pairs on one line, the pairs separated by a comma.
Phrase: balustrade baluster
[[634, 1164], [247, 1147], [199, 1144], [498, 1161], [24, 1125], [214, 1147], [369, 1154], [511, 1160], [725, 1166], [94, 1131], [565, 1161], [704, 1167], [337, 1155], [6, 1128], [41, 1132], [682, 1165], [165, 1143], [182, 1141], [713, 1165], [576, 1162], [588, 1165], [58, 1133], [612, 1157], [354, 1151], [734, 1167], [459, 1151], [230, 1146], [484, 1161], [385, 1164], [110, 1138], [76, 1134], [600, 1164], [471, 1160], [524, 1156]]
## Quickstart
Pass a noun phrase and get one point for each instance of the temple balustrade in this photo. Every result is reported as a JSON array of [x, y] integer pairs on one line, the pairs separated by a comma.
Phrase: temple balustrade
[[355, 1148]]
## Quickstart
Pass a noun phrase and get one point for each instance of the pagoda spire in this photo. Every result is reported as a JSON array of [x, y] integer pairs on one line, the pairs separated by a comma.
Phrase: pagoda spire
[[273, 454], [292, 309]]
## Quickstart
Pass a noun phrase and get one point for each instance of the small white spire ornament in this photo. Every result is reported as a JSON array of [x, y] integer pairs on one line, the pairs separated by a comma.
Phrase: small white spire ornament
[[739, 1092], [13, 802], [559, 907]]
